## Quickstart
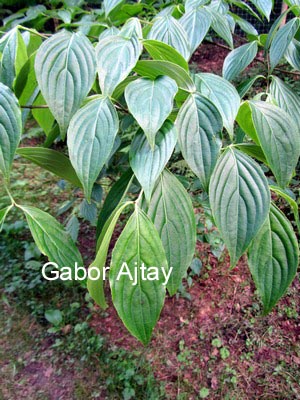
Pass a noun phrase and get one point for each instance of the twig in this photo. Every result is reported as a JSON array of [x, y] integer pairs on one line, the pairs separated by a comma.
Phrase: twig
[[33, 107], [284, 71]]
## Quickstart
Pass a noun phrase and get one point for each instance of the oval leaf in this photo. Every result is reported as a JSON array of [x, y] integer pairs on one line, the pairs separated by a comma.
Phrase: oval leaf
[[147, 164], [276, 130], [172, 213], [292, 55], [91, 137], [138, 305], [168, 30], [238, 59], [199, 124], [116, 57], [10, 128], [273, 258], [51, 238], [196, 23], [153, 69], [281, 41], [286, 98], [224, 96], [239, 199], [151, 102], [65, 70], [162, 51], [52, 161]]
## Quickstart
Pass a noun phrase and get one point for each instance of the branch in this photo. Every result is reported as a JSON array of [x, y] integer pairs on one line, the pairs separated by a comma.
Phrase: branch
[[284, 71]]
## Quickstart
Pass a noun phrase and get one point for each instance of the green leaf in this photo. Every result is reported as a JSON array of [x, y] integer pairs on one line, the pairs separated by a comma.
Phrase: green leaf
[[112, 31], [65, 70], [52, 161], [276, 130], [292, 54], [25, 87], [244, 24], [286, 98], [196, 23], [55, 317], [239, 59], [116, 57], [281, 41], [153, 69], [138, 305], [224, 96], [172, 213], [114, 197], [191, 5], [110, 5], [273, 258], [151, 102], [3, 214], [95, 286], [199, 125], [131, 28], [148, 164], [290, 200], [220, 25], [264, 7], [51, 238], [162, 51], [13, 57], [91, 137], [246, 85], [168, 30], [253, 150], [239, 199], [43, 116], [10, 128]]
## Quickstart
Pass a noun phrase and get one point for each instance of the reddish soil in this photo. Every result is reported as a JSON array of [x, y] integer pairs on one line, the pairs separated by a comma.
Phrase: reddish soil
[[223, 306]]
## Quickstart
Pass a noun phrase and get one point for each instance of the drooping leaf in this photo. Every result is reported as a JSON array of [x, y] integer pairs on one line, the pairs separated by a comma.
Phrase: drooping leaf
[[199, 125], [293, 204], [287, 99], [264, 7], [281, 41], [151, 102], [273, 258], [273, 129], [43, 116], [147, 164], [138, 305], [172, 213], [65, 70], [91, 137], [10, 128], [51, 238], [116, 57], [292, 54], [13, 56], [239, 59], [96, 286], [224, 96], [191, 5], [110, 5], [154, 68], [196, 23], [246, 85], [244, 24], [3, 213], [253, 150], [162, 51], [220, 25], [114, 197], [168, 30], [52, 161], [239, 199]]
